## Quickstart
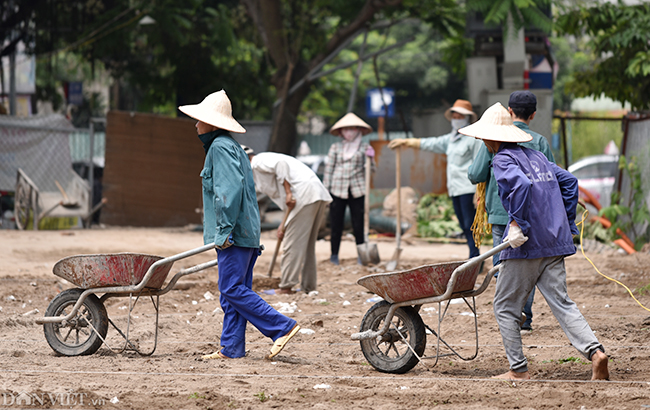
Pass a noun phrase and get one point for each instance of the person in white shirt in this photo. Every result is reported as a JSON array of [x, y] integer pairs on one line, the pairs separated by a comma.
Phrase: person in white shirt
[[293, 185]]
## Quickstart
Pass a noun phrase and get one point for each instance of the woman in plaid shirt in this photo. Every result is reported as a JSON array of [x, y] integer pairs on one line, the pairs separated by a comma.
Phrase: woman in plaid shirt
[[345, 178]]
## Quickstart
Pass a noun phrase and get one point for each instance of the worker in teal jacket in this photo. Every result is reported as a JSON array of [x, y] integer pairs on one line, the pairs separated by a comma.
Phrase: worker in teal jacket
[[231, 221], [460, 151], [522, 107]]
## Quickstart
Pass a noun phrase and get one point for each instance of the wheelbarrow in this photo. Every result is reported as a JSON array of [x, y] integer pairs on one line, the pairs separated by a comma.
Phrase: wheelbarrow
[[393, 335], [76, 321]]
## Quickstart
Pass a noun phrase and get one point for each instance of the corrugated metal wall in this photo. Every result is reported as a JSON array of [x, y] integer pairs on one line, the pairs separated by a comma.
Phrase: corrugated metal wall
[[152, 171], [638, 145]]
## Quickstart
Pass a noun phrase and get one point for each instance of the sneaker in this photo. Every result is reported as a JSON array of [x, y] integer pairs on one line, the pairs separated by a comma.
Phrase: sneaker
[[334, 259]]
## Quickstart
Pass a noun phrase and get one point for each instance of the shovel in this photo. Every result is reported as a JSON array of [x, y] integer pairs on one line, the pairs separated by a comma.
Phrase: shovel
[[368, 252], [66, 203], [277, 245], [392, 264]]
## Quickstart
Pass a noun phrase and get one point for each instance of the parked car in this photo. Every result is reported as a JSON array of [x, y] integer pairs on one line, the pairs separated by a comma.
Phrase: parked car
[[597, 174]]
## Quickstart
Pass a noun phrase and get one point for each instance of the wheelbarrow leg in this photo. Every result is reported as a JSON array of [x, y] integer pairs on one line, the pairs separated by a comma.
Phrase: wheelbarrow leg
[[128, 345], [441, 316]]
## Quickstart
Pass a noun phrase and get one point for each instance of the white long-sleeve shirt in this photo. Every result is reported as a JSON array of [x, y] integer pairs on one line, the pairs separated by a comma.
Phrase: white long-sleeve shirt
[[271, 169]]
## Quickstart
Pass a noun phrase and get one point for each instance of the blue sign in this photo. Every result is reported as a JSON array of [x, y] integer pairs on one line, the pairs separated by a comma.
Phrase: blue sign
[[375, 107], [75, 92]]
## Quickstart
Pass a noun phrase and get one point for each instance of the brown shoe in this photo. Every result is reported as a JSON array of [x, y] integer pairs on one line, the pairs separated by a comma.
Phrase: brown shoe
[[284, 291]]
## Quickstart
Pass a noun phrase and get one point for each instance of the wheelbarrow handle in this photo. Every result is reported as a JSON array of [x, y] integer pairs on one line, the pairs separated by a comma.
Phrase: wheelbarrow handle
[[370, 334]]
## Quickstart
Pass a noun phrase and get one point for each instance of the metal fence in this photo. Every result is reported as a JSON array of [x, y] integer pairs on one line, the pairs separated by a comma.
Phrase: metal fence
[[45, 149]]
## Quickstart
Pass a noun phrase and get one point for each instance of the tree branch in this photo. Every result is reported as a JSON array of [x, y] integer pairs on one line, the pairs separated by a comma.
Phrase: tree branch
[[367, 12], [267, 15]]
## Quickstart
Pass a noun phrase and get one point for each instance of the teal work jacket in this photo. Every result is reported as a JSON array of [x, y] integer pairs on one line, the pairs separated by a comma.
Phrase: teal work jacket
[[481, 171], [229, 200]]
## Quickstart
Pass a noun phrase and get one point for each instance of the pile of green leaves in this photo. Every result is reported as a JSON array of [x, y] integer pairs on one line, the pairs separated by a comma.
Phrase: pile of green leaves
[[436, 217], [592, 229]]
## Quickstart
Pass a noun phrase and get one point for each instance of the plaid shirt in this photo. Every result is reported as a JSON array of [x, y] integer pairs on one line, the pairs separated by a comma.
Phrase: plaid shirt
[[342, 176]]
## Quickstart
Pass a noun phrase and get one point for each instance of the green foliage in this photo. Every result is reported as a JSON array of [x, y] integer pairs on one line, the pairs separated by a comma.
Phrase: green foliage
[[425, 72], [592, 229], [573, 359], [262, 396], [420, 70], [523, 12], [435, 216], [630, 214], [618, 34], [192, 49], [572, 55], [196, 395], [643, 290]]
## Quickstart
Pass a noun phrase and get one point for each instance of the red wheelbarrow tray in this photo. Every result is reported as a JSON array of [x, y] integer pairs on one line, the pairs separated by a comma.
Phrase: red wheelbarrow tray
[[117, 269], [421, 282]]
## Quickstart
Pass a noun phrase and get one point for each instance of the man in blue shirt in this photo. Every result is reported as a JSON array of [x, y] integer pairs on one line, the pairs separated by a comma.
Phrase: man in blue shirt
[[231, 221], [540, 199], [522, 106]]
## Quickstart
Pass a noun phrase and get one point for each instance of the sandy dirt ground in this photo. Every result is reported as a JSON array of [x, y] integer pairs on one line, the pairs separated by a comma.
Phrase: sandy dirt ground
[[321, 368]]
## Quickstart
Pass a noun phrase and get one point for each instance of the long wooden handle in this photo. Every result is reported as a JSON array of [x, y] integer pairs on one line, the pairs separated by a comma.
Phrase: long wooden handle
[[279, 242], [366, 205], [65, 196], [398, 184]]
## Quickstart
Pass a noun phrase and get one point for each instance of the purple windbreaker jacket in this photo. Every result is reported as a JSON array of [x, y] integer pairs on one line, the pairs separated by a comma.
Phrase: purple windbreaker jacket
[[541, 197]]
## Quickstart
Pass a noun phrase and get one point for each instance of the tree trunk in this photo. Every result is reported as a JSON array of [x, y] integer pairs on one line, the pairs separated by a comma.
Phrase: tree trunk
[[285, 132]]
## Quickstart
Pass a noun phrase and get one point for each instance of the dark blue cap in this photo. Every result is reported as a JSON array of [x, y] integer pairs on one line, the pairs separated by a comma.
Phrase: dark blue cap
[[523, 99]]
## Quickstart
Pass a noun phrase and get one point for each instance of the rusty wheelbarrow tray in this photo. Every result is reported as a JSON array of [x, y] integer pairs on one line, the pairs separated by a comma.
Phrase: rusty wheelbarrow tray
[[393, 335], [76, 321]]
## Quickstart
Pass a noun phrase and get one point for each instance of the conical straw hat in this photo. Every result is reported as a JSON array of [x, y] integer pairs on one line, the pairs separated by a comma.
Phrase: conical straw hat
[[216, 110], [350, 120], [462, 107], [496, 125]]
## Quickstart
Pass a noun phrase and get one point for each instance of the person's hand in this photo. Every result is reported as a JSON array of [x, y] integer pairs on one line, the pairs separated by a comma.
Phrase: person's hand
[[515, 236], [370, 152], [405, 142], [227, 244], [280, 233], [290, 201]]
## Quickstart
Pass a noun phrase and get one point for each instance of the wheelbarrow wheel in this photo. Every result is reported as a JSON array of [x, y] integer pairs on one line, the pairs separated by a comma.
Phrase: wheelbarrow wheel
[[22, 206], [76, 337], [389, 353]]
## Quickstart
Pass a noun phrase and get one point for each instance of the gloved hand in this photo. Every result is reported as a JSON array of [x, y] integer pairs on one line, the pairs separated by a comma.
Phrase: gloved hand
[[370, 152], [227, 244], [515, 236], [405, 142]]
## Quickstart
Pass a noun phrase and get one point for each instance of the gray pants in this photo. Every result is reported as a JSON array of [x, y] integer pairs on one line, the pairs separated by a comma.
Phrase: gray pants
[[299, 247], [516, 279]]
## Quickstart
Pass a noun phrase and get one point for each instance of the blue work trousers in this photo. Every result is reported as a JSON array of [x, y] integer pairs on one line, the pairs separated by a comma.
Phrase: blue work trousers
[[240, 304], [497, 238], [465, 211]]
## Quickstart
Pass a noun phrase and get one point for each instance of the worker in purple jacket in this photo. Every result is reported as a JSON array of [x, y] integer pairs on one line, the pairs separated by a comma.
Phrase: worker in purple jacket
[[541, 200]]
